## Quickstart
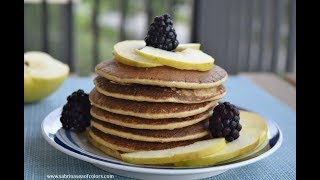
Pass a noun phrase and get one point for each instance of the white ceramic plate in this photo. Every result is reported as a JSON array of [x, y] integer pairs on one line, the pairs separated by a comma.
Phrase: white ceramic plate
[[76, 145]]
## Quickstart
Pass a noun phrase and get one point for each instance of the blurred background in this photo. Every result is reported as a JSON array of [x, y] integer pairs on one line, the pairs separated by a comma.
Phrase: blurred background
[[242, 35]]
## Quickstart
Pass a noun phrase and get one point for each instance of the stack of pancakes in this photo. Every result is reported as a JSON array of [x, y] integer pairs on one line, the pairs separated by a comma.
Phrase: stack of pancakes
[[141, 109]]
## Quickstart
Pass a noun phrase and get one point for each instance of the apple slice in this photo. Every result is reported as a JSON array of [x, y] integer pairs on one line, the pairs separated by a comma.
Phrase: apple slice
[[248, 140], [189, 59], [182, 47], [259, 149], [124, 52], [192, 151], [42, 75], [252, 120]]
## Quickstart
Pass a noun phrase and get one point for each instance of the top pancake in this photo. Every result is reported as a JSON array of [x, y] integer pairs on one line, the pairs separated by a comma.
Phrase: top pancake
[[139, 92], [162, 76]]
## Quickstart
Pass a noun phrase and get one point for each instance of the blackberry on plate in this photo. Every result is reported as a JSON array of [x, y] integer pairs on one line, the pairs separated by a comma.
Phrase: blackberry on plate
[[225, 122], [161, 34], [76, 112]]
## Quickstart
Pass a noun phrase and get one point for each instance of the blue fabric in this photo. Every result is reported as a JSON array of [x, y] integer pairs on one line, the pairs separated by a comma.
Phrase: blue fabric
[[41, 159]]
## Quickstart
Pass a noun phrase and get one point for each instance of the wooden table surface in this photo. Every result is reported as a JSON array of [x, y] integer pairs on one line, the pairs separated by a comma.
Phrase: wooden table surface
[[282, 88]]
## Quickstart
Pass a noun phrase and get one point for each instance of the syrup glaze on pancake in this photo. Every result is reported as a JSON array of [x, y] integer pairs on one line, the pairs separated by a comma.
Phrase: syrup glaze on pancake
[[139, 92], [142, 123], [128, 145], [194, 131], [150, 110], [161, 76]]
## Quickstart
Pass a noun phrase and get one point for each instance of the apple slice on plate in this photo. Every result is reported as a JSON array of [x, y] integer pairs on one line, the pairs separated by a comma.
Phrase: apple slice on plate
[[124, 52], [188, 59], [255, 152], [252, 120], [182, 47], [42, 75], [248, 140], [192, 151]]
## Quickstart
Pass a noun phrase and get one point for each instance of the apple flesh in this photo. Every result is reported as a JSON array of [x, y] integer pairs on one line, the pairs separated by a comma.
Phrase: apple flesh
[[182, 47], [43, 75], [124, 52], [248, 140], [192, 151], [188, 59]]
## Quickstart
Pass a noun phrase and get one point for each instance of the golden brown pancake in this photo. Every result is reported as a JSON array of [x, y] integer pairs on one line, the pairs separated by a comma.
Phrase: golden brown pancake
[[194, 131], [139, 92], [161, 76], [105, 149], [142, 123], [150, 110], [128, 145]]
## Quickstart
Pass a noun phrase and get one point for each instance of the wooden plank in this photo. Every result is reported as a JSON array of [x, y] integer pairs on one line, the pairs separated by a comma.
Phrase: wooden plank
[[171, 8], [290, 77], [95, 33], [233, 35], [250, 12], [194, 21], [45, 23], [149, 12], [276, 35], [123, 11], [69, 30], [245, 35], [275, 86], [263, 30], [292, 37]]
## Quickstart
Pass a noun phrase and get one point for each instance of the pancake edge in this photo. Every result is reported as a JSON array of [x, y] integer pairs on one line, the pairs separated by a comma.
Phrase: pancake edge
[[143, 98], [131, 136], [153, 127], [160, 116], [176, 84]]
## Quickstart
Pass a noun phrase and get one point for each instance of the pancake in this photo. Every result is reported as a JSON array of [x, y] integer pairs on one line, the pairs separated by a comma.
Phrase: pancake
[[141, 123], [194, 131], [106, 150], [128, 145], [150, 110], [138, 92], [161, 76]]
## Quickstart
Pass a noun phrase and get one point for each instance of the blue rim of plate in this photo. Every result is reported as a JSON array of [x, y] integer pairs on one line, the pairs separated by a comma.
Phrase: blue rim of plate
[[56, 140]]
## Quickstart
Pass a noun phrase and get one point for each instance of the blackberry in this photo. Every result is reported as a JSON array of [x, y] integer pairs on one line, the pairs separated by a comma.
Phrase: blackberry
[[225, 122], [161, 34], [76, 112]]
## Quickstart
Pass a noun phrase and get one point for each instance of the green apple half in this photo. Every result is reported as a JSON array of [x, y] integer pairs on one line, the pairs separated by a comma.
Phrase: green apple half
[[188, 59], [192, 151], [42, 75]]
